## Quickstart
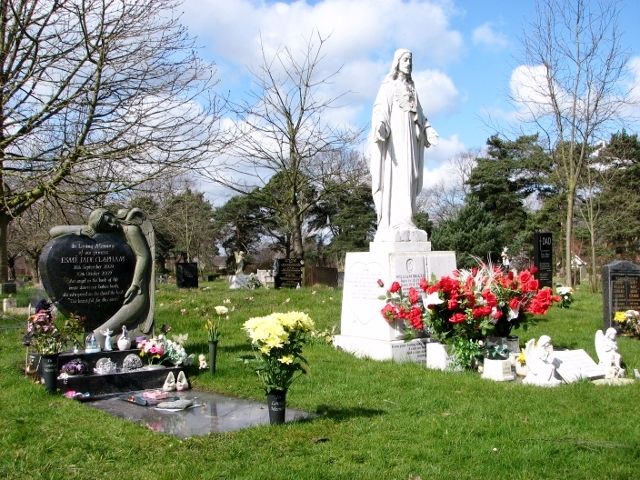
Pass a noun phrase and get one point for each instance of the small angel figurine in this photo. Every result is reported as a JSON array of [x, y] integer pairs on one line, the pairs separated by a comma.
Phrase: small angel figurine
[[541, 370], [607, 350], [107, 339]]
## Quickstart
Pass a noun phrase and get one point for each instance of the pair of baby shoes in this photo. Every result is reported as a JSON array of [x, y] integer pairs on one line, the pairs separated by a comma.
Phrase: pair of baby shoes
[[171, 384]]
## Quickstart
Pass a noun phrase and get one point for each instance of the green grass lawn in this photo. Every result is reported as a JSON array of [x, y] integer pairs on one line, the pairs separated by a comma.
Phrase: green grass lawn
[[376, 420]]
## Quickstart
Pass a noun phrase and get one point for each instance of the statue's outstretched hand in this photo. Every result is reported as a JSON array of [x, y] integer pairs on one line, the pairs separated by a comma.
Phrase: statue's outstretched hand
[[381, 132], [87, 231], [131, 293]]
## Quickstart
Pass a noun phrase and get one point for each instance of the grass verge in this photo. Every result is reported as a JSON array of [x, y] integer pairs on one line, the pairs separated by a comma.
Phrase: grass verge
[[376, 420]]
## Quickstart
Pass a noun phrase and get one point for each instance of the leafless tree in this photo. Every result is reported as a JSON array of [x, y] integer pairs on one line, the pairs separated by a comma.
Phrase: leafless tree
[[282, 135], [575, 62], [443, 200], [96, 96]]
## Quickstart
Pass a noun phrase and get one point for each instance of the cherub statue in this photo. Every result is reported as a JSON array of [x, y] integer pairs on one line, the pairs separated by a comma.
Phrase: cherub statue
[[607, 350], [542, 371], [202, 361]]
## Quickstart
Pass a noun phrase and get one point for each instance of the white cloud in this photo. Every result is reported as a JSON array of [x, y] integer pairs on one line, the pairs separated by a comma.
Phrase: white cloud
[[359, 29], [486, 35], [437, 92], [529, 91], [632, 110], [438, 166]]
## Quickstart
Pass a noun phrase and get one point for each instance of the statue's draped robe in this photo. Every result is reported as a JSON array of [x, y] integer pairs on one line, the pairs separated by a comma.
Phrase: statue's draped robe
[[397, 162]]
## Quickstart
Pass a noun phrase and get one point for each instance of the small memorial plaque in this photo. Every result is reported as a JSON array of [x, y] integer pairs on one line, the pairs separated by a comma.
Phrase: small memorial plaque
[[410, 351], [620, 289], [575, 365], [87, 276], [288, 273]]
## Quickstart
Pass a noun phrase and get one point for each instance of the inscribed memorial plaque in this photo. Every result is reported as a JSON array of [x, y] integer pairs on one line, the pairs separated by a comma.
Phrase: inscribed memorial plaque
[[410, 351], [543, 258], [87, 276], [288, 273], [620, 289], [575, 365]]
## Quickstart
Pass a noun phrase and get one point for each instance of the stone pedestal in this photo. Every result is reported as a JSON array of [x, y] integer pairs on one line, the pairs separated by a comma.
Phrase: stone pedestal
[[363, 330]]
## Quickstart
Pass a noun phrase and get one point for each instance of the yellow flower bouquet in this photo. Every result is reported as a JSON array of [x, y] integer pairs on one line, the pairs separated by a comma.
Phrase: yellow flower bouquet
[[278, 340]]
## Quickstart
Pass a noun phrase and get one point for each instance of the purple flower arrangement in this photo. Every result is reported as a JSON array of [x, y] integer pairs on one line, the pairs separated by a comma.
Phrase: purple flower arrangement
[[76, 366]]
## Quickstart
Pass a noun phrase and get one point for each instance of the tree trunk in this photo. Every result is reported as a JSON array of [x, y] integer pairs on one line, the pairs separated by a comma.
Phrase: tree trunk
[[4, 266], [593, 275], [568, 237], [298, 248]]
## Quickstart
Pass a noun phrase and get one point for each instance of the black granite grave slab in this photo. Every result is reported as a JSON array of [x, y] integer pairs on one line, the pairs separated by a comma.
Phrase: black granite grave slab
[[87, 276], [211, 413], [100, 385]]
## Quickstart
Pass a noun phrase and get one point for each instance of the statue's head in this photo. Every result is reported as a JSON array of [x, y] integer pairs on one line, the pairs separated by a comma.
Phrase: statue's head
[[402, 63], [544, 340], [102, 220], [611, 333]]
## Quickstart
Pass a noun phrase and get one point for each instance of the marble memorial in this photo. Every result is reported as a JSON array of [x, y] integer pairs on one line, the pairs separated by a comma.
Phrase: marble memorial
[[400, 250]]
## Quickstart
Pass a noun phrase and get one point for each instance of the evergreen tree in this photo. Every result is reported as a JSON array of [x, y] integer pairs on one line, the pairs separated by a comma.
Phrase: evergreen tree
[[472, 234]]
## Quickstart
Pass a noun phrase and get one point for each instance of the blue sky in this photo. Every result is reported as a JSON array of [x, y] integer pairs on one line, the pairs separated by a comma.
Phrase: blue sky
[[465, 53]]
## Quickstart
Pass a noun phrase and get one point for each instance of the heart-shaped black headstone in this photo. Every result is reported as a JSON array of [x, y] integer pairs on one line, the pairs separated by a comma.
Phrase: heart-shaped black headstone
[[87, 276]]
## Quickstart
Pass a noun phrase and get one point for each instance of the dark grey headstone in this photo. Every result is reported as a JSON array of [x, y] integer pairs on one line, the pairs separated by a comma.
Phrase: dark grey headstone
[[321, 275], [620, 289], [87, 276], [288, 273], [187, 275], [543, 258]]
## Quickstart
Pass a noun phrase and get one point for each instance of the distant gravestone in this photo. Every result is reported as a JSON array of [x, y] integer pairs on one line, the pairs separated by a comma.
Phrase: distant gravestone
[[543, 257], [288, 273], [620, 289], [321, 275], [187, 275]]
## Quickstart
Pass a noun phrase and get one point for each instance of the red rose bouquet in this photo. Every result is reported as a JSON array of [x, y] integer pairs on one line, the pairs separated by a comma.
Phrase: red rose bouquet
[[405, 310], [519, 299], [470, 304]]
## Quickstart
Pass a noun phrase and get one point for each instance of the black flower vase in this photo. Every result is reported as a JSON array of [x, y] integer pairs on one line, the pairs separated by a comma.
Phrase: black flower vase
[[49, 371], [276, 403], [213, 354]]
